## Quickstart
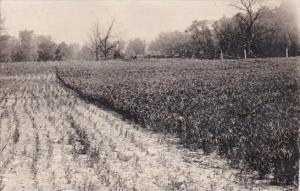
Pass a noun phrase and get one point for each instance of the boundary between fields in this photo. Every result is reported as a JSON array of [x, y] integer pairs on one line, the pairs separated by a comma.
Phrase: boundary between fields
[[100, 102]]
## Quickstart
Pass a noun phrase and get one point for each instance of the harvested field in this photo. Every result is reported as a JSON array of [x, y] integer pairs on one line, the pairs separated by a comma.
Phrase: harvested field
[[51, 139]]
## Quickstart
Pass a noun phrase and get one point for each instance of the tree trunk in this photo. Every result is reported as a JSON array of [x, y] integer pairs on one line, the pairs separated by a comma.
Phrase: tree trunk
[[105, 55], [249, 51], [97, 55]]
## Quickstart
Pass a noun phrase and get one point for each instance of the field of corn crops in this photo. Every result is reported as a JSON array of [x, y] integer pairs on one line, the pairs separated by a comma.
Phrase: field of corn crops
[[149, 125], [247, 111]]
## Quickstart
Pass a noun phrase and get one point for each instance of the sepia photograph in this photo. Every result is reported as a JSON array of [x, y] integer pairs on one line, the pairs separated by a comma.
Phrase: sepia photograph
[[149, 95]]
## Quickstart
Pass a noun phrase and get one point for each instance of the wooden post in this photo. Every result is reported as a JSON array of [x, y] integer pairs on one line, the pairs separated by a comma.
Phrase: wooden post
[[245, 54], [221, 55], [286, 52]]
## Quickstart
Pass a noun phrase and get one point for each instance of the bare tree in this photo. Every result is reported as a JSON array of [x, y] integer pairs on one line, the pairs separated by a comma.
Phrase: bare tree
[[101, 42], [248, 21], [94, 42]]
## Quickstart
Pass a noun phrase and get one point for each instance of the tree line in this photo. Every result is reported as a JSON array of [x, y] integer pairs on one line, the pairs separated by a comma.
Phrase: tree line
[[31, 47], [255, 31], [102, 44], [260, 32]]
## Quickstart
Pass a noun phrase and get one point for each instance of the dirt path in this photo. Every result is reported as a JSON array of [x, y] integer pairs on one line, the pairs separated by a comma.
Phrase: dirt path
[[52, 140]]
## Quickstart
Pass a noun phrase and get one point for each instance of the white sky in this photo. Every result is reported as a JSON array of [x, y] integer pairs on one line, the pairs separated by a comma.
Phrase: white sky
[[70, 21]]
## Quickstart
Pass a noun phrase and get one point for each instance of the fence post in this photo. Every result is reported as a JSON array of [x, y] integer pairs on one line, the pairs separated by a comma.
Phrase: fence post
[[286, 52], [245, 54], [221, 55]]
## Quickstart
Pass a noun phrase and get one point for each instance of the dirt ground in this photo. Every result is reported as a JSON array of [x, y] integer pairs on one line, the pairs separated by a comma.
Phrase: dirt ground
[[52, 140]]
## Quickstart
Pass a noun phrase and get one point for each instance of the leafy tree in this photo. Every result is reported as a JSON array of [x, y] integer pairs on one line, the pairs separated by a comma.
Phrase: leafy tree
[[4, 57], [85, 53], [119, 51], [135, 48], [46, 50], [61, 52], [202, 39], [272, 32], [25, 47], [5, 48], [172, 44], [286, 31], [226, 33]]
